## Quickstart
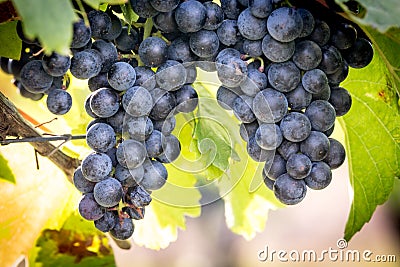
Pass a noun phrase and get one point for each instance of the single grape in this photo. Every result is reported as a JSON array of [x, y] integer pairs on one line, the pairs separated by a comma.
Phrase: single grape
[[343, 36], [56, 64], [340, 75], [308, 22], [107, 222], [331, 59], [321, 114], [307, 55], [270, 105], [314, 81], [81, 183], [153, 51], [101, 137], [164, 104], [336, 154], [98, 81], [59, 102], [128, 177], [295, 127], [248, 130], [284, 77], [89, 209], [251, 27], [112, 154], [276, 168], [164, 5], [360, 54], [86, 64], [231, 71], [253, 48], [180, 50], [260, 8], [321, 33], [298, 166], [116, 121], [288, 148], [226, 96], [298, 99], [165, 126], [100, 23], [231, 8], [257, 153], [341, 100], [81, 34], [134, 213], [268, 136], [138, 128], [171, 75], [155, 144], [190, 16], [268, 182], [115, 30], [255, 82], [165, 22], [289, 191], [214, 16], [277, 51], [138, 196], [155, 175], [171, 149], [186, 99], [145, 77], [228, 32], [204, 43], [137, 101], [316, 146], [123, 229], [108, 53], [320, 176], [285, 24], [121, 76], [104, 102], [108, 192], [96, 167], [131, 154], [34, 77], [325, 94], [242, 108], [143, 8]]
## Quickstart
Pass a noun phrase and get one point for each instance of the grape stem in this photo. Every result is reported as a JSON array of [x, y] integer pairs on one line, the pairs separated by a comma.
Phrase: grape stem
[[64, 137], [12, 124]]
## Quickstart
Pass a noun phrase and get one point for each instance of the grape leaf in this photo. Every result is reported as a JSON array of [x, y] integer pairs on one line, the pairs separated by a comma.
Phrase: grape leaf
[[48, 20], [77, 243], [372, 134], [10, 43], [41, 198], [96, 3], [5, 171], [379, 14]]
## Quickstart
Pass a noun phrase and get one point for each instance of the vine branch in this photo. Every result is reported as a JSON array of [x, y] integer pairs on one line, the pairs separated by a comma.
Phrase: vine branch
[[12, 124]]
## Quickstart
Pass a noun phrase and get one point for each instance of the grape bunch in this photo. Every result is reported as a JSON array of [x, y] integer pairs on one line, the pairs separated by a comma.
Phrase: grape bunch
[[280, 68], [133, 110], [281, 76]]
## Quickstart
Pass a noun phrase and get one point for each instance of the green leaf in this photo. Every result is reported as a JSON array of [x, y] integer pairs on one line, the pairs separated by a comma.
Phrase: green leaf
[[5, 171], [77, 243], [48, 20], [41, 198], [379, 14], [129, 15], [10, 43], [96, 3], [372, 135]]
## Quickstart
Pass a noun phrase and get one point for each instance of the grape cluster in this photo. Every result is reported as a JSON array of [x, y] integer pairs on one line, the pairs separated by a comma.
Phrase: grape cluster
[[281, 73], [280, 68], [133, 110]]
